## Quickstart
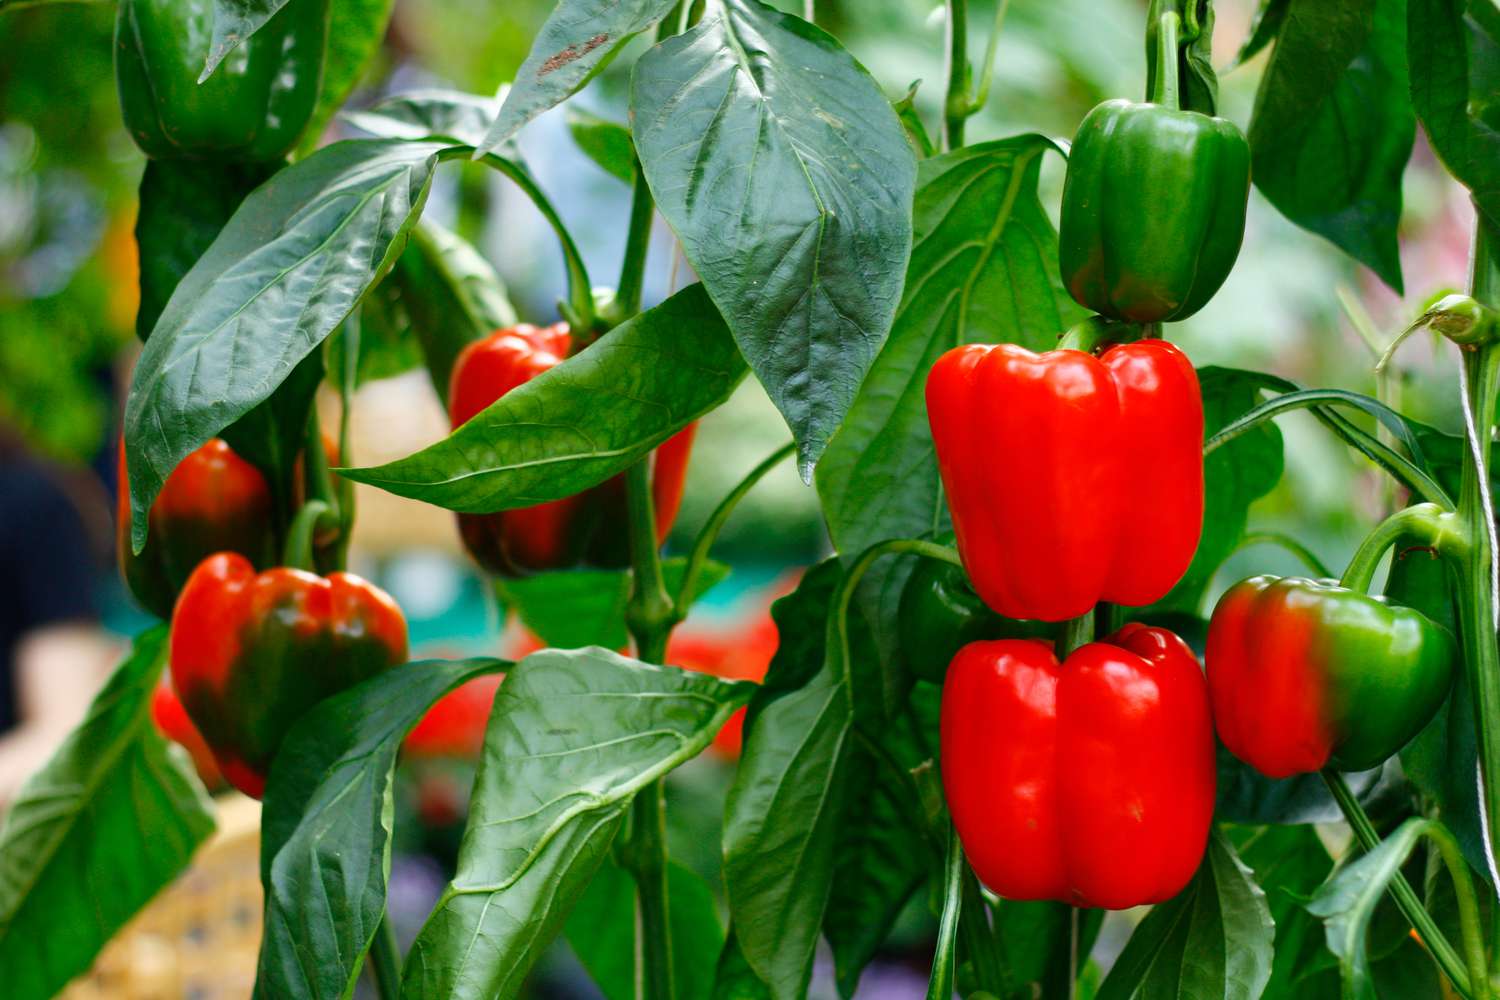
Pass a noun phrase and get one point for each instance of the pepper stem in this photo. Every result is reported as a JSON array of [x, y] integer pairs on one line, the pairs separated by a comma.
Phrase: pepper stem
[[1093, 333], [1426, 521], [299, 539], [1076, 632], [1164, 90]]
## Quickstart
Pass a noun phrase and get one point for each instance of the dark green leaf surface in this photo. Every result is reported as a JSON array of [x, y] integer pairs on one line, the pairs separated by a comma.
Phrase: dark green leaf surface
[[452, 295], [733, 977], [605, 142], [579, 38], [1453, 56], [184, 204], [583, 421], [1268, 21], [787, 176], [1290, 862], [1212, 941], [587, 607], [110, 819], [1348, 901], [281, 276], [602, 933], [1246, 796], [983, 269], [1333, 126], [1234, 476], [234, 22], [355, 30], [572, 737], [429, 114], [326, 827]]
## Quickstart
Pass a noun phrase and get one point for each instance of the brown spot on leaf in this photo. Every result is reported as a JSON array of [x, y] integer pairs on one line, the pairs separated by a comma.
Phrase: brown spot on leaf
[[569, 54]]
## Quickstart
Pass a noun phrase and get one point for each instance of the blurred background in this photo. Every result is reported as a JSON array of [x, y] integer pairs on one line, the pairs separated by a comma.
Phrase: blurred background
[[68, 177]]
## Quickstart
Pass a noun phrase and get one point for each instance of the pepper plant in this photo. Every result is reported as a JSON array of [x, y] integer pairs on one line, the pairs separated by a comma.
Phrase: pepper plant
[[992, 698]]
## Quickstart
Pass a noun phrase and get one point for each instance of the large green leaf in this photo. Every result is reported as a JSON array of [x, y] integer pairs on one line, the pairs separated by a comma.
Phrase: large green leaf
[[326, 828], [1347, 902], [983, 269], [184, 204], [452, 295], [733, 977], [602, 932], [1333, 126], [1234, 476], [583, 421], [1212, 940], [428, 114], [578, 40], [786, 174], [1290, 862], [605, 142], [587, 607], [1453, 57], [109, 820], [291, 263], [572, 737], [355, 30]]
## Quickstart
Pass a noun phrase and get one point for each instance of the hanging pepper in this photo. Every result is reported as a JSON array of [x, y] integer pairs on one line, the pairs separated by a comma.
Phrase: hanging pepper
[[1089, 782], [213, 501], [255, 105], [1153, 208], [940, 613], [589, 528], [1306, 673], [251, 654], [1071, 479], [172, 722]]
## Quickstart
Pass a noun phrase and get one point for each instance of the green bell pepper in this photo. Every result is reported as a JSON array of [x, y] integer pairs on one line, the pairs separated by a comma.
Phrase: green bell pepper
[[940, 613]]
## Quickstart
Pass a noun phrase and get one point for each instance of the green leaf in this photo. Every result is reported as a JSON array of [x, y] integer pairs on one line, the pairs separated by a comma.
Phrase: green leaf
[[578, 40], [605, 142], [234, 22], [355, 30], [577, 424], [291, 263], [786, 809], [786, 174], [983, 269], [733, 977], [326, 827], [1348, 901], [429, 114], [452, 295], [1211, 940], [1268, 21], [1234, 476], [387, 346], [1453, 56], [183, 205], [1333, 126], [572, 737], [1246, 796], [587, 607], [112, 817], [601, 932], [1290, 862], [916, 133]]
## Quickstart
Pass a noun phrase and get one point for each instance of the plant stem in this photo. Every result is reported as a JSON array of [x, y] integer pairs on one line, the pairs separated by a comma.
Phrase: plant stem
[[940, 983], [1424, 521], [1076, 632], [1165, 90], [978, 936], [956, 106], [1469, 926], [637, 244], [649, 617], [1304, 554], [385, 960], [1477, 575], [298, 553], [710, 533], [1400, 889]]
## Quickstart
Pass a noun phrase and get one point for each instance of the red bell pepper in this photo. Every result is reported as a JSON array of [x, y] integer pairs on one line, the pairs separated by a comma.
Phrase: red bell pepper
[[252, 653], [212, 502], [589, 528], [1090, 782], [1071, 479], [172, 721]]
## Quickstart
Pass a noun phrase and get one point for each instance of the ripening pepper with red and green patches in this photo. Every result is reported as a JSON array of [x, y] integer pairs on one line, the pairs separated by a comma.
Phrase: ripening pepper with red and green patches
[[589, 528], [214, 501], [1304, 674], [252, 653]]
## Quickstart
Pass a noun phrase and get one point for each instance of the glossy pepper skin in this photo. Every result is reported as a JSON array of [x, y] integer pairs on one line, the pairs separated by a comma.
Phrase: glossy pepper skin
[[1305, 673], [253, 108], [213, 501], [252, 653], [1071, 479], [1089, 782], [1153, 210], [940, 613], [590, 528]]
